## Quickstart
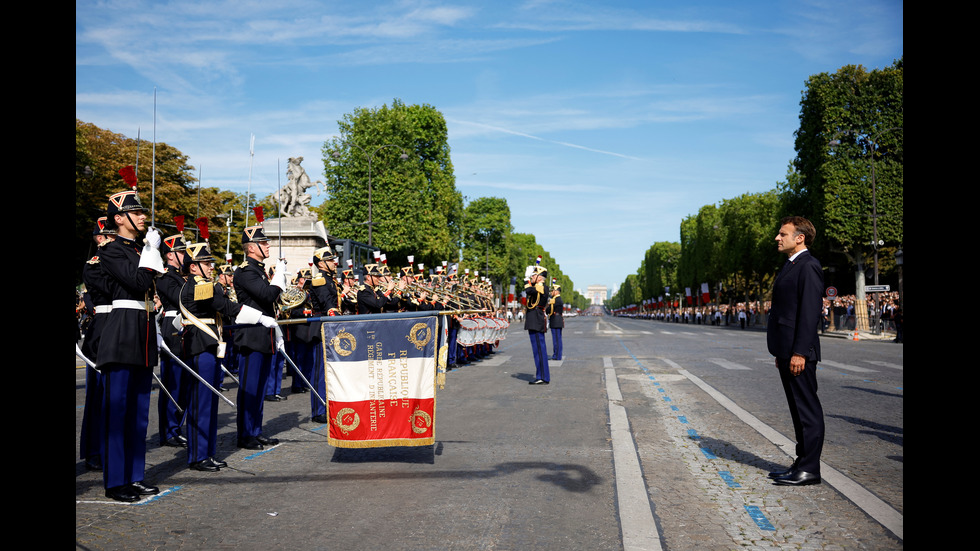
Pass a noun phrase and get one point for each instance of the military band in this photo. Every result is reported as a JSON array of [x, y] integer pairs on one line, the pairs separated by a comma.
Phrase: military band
[[151, 294]]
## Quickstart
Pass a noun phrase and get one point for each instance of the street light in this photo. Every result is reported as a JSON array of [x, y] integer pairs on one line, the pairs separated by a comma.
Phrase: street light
[[403, 156], [834, 142]]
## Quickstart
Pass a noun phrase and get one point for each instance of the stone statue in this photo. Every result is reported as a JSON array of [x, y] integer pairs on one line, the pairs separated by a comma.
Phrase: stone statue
[[295, 200]]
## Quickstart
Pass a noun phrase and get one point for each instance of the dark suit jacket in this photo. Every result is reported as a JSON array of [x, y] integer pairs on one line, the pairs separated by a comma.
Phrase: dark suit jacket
[[797, 304]]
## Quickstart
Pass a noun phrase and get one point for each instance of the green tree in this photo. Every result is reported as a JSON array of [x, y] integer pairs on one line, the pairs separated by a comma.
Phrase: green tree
[[487, 231], [748, 224], [173, 191], [659, 268], [395, 159], [850, 162]]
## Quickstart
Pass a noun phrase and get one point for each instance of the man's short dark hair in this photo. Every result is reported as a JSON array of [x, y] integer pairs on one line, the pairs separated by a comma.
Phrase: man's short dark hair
[[803, 226]]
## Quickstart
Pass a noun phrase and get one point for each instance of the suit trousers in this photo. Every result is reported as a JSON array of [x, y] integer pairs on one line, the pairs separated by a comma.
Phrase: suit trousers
[[807, 414]]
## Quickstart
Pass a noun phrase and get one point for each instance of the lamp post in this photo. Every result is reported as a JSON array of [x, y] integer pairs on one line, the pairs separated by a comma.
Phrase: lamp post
[[874, 209], [403, 156]]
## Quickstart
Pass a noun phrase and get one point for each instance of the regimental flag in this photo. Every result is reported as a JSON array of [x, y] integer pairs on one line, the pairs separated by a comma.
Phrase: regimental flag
[[381, 377]]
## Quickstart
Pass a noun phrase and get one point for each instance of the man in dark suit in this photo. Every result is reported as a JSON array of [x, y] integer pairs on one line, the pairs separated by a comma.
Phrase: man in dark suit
[[791, 334]]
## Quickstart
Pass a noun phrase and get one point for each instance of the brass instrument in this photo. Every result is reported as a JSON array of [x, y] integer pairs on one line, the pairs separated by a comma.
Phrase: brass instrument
[[291, 298]]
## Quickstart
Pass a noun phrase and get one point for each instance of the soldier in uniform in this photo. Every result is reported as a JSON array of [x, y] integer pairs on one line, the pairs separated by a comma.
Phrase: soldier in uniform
[[202, 303], [172, 375], [96, 285], [226, 273], [373, 296], [556, 320], [535, 322], [128, 349], [326, 301], [256, 345]]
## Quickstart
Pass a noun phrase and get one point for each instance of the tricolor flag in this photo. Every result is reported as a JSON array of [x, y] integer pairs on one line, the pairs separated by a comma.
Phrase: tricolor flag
[[381, 381], [705, 295]]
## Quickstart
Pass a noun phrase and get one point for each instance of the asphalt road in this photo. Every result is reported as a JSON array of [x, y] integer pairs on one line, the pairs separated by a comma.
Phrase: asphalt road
[[652, 435]]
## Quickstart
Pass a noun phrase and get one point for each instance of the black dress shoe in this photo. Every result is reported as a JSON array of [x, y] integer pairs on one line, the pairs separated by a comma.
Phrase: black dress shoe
[[780, 474], [250, 443], [204, 466], [538, 382], [797, 478], [266, 441], [144, 489], [122, 493], [93, 463], [176, 442], [217, 462], [321, 419]]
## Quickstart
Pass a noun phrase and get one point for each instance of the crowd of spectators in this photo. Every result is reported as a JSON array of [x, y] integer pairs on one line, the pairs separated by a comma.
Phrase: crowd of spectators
[[839, 314]]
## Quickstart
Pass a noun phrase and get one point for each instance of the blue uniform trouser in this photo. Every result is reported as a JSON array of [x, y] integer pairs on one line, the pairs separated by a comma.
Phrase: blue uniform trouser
[[451, 354], [126, 414], [178, 383], [202, 411], [273, 383], [254, 369], [90, 442], [539, 348], [309, 357], [556, 342]]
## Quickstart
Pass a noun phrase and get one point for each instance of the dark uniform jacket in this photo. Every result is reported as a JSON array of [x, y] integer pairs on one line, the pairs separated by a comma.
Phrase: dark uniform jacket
[[97, 289], [129, 335], [556, 313], [252, 288], [797, 309], [206, 310], [370, 301], [168, 289], [537, 299]]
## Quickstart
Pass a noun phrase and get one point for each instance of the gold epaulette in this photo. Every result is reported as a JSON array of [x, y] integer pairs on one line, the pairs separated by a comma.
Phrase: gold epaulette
[[243, 264], [203, 288], [93, 260], [318, 281]]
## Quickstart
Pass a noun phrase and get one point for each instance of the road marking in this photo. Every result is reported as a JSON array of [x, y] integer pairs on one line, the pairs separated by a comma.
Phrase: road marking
[[848, 367], [885, 514], [885, 364], [727, 364], [635, 514]]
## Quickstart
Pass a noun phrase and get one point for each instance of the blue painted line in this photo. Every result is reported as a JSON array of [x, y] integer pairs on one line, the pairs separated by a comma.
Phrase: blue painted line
[[760, 519], [158, 496], [707, 453], [693, 434], [675, 408], [666, 398], [729, 479], [261, 453], [661, 390], [682, 419]]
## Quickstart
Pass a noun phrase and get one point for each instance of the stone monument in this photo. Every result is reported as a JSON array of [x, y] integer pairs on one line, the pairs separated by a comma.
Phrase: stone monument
[[297, 225]]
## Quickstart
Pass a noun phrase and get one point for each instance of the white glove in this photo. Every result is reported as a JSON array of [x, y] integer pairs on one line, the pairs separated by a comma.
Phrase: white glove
[[150, 257], [279, 279], [153, 238], [280, 345], [268, 321], [160, 344]]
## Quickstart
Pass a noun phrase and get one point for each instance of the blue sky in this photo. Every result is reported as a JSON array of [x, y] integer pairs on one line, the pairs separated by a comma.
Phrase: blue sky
[[603, 124]]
